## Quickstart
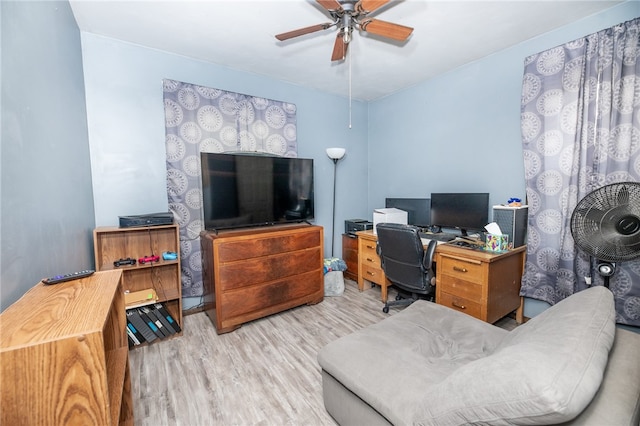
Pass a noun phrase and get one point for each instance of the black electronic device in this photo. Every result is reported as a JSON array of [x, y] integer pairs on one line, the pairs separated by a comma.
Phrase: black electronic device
[[255, 190], [67, 277], [151, 219], [463, 211], [513, 222], [418, 210], [351, 226]]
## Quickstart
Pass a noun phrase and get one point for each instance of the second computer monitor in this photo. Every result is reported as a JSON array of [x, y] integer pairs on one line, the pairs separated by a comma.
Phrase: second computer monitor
[[463, 211], [418, 209]]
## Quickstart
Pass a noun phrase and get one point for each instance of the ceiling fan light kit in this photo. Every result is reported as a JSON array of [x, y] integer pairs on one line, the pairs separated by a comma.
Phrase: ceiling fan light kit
[[348, 15]]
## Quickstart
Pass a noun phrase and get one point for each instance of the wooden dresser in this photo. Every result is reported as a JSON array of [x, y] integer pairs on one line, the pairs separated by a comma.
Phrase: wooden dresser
[[482, 284], [255, 272], [64, 357]]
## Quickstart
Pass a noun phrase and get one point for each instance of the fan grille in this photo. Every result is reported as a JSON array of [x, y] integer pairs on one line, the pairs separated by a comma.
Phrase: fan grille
[[606, 222]]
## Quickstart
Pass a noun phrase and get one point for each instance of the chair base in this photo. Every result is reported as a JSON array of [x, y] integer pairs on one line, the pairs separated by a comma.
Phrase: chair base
[[406, 301]]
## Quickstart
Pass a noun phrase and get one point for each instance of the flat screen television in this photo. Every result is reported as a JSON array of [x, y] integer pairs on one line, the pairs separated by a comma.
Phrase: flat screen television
[[418, 209], [463, 211], [240, 190]]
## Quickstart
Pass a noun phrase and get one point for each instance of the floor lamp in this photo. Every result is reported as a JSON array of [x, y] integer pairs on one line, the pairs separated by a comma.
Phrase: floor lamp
[[335, 154]]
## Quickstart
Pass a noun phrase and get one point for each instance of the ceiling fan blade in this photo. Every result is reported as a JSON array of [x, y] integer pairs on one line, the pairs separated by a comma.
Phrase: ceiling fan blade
[[368, 6], [330, 5], [303, 31], [386, 29], [339, 48]]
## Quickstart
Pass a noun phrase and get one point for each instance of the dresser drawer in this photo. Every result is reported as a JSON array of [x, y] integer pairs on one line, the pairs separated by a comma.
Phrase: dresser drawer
[[461, 269], [373, 274], [232, 275], [267, 244], [461, 304], [268, 297]]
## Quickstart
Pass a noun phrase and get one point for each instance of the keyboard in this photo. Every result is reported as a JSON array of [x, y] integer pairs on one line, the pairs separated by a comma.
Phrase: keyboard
[[440, 237]]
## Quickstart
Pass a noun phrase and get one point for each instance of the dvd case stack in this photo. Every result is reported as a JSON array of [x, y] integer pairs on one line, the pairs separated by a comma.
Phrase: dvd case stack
[[148, 323]]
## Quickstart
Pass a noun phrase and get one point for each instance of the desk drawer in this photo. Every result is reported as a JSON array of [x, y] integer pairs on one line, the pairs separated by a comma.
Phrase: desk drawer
[[461, 304], [370, 258], [462, 288], [461, 269], [373, 274]]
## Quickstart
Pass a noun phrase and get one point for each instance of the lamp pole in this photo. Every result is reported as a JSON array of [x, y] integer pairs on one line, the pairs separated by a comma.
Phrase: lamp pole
[[335, 154]]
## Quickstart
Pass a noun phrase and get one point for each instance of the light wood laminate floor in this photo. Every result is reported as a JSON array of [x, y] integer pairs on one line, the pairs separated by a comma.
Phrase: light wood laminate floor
[[264, 373]]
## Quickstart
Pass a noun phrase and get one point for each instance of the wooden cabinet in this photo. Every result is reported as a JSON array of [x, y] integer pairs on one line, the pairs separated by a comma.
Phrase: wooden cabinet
[[64, 355], [369, 266], [350, 255], [252, 273], [482, 284], [112, 244]]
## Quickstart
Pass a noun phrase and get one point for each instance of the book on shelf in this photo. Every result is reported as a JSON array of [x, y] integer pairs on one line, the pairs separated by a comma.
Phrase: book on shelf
[[163, 311], [151, 324], [136, 335], [154, 319], [139, 324], [165, 324]]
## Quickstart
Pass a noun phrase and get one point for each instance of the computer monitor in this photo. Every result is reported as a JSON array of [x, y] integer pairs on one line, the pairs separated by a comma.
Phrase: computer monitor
[[463, 211], [418, 209]]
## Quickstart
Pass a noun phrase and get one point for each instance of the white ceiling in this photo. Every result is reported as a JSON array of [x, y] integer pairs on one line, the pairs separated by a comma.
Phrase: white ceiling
[[240, 34]]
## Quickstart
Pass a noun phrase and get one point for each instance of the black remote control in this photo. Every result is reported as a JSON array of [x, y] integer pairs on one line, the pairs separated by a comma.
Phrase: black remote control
[[67, 277]]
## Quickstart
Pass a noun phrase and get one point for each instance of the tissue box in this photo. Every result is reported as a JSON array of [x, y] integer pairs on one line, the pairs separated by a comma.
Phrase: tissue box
[[497, 242], [391, 215]]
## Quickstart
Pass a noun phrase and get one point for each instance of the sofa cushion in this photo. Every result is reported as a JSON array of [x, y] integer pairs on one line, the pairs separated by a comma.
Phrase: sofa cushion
[[545, 371], [391, 364]]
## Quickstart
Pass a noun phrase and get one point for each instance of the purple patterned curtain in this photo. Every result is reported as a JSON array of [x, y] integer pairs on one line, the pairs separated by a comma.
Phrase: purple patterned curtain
[[580, 131], [202, 119]]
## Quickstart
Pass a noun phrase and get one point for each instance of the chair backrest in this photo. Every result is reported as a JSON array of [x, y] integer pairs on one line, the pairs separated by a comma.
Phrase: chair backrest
[[404, 259]]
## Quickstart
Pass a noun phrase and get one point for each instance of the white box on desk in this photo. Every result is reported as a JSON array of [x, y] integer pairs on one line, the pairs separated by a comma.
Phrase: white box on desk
[[390, 215]]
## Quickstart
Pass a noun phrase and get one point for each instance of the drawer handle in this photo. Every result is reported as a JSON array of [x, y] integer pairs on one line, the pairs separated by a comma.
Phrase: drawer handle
[[370, 247], [369, 259], [459, 269], [373, 274], [457, 305]]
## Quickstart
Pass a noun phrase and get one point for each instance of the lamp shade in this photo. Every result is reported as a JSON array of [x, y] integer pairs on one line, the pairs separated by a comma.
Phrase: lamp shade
[[336, 153]]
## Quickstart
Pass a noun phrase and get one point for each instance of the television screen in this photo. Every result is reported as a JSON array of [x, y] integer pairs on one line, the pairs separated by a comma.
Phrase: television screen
[[464, 211], [418, 209], [247, 190]]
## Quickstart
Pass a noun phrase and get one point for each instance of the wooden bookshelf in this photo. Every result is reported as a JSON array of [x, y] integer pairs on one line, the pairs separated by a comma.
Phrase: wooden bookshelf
[[163, 277]]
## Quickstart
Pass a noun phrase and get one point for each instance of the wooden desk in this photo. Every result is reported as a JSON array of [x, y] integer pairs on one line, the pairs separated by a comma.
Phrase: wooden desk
[[64, 358], [482, 284]]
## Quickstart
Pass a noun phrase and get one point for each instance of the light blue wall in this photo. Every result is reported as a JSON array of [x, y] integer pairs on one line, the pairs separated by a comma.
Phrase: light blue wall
[[460, 132], [126, 130], [47, 204]]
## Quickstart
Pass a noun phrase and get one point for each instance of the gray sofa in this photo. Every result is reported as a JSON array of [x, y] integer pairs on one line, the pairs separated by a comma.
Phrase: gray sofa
[[430, 365]]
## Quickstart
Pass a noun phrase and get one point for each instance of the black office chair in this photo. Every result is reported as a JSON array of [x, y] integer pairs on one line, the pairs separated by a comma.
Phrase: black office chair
[[406, 263]]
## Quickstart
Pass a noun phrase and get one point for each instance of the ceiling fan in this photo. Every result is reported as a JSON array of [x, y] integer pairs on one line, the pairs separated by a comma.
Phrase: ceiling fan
[[350, 14]]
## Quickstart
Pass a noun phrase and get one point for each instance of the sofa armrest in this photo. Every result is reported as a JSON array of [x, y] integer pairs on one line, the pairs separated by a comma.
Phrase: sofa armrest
[[617, 401]]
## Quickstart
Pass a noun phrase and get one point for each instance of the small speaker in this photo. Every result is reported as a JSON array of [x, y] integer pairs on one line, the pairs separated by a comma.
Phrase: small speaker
[[512, 221]]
